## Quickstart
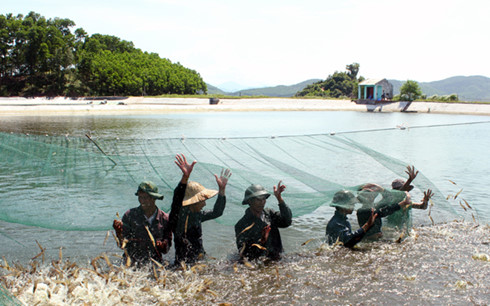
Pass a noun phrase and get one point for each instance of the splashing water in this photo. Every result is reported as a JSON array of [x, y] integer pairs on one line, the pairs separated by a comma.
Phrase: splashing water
[[61, 183], [441, 264]]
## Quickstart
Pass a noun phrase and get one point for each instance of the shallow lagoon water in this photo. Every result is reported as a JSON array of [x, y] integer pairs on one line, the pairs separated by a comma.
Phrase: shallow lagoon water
[[435, 265]]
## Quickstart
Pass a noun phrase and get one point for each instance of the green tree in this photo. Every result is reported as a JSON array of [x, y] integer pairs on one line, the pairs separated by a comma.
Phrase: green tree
[[36, 54], [40, 56], [410, 90], [353, 70], [337, 85]]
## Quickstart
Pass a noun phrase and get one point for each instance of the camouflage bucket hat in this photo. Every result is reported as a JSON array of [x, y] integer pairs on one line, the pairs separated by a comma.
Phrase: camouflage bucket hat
[[151, 189], [344, 199], [196, 192], [254, 191]]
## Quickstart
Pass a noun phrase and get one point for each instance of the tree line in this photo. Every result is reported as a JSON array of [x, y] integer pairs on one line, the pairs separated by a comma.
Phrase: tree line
[[42, 57]]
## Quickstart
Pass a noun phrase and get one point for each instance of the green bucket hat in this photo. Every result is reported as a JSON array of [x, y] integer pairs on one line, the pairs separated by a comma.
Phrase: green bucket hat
[[254, 191], [151, 189], [344, 199]]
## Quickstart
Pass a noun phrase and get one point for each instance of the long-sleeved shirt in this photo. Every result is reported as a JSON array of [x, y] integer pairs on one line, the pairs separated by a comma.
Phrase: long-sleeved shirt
[[188, 232], [140, 248], [387, 206], [339, 228], [248, 231]]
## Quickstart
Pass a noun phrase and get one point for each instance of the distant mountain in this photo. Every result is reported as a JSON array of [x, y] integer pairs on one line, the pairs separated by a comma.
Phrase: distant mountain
[[213, 90], [276, 91], [468, 88], [230, 86]]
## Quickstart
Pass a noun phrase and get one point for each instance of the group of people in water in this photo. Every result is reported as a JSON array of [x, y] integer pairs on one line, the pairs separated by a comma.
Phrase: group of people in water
[[145, 232]]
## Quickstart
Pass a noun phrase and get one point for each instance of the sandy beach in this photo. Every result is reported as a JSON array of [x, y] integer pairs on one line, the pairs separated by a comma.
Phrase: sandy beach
[[140, 105]]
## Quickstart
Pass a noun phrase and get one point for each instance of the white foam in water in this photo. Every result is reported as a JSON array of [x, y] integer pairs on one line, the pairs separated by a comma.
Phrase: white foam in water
[[442, 264]]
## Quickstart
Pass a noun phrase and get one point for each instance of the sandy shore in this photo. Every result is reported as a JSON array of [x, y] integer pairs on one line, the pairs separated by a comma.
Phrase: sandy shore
[[140, 105]]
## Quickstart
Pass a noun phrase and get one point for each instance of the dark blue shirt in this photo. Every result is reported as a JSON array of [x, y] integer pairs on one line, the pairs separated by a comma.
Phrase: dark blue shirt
[[338, 228]]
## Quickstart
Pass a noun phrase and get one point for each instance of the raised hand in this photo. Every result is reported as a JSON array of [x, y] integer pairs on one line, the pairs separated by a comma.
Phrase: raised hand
[[278, 190], [427, 196], [222, 180], [118, 227], [184, 166], [370, 221], [412, 174]]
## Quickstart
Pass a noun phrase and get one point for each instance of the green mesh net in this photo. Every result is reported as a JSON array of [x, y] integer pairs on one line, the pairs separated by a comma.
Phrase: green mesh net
[[77, 183], [7, 299]]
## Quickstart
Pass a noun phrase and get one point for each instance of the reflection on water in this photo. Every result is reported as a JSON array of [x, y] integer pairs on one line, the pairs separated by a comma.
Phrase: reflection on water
[[228, 124]]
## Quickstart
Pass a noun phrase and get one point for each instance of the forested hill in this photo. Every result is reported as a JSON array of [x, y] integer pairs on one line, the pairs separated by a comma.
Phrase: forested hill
[[468, 88], [43, 57]]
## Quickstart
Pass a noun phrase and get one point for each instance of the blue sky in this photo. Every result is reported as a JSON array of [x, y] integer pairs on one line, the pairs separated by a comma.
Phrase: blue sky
[[283, 42]]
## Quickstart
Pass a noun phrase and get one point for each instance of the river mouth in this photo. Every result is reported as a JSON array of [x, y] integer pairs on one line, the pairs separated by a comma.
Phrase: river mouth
[[440, 264]]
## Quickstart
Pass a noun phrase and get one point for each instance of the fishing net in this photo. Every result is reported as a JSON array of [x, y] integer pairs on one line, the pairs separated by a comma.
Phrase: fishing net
[[79, 183], [7, 299]]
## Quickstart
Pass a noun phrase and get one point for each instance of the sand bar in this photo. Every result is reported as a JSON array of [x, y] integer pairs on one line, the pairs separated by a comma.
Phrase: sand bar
[[140, 105]]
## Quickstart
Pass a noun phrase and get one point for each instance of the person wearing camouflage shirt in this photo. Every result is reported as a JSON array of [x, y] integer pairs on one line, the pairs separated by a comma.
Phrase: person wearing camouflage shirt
[[145, 232], [257, 232]]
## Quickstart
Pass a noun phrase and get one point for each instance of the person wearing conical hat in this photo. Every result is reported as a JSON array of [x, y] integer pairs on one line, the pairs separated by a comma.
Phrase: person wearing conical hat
[[145, 232], [188, 231], [257, 232]]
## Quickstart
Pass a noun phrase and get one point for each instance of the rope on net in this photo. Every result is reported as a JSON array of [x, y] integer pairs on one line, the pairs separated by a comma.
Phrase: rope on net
[[66, 183]]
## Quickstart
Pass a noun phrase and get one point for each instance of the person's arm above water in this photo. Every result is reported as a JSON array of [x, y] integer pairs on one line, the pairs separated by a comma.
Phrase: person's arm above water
[[339, 229], [425, 201], [412, 174], [179, 191], [128, 232], [219, 205], [354, 238], [387, 210], [163, 245], [284, 217]]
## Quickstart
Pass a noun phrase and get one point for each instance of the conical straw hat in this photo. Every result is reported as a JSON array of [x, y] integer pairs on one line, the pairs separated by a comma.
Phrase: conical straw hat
[[196, 192]]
